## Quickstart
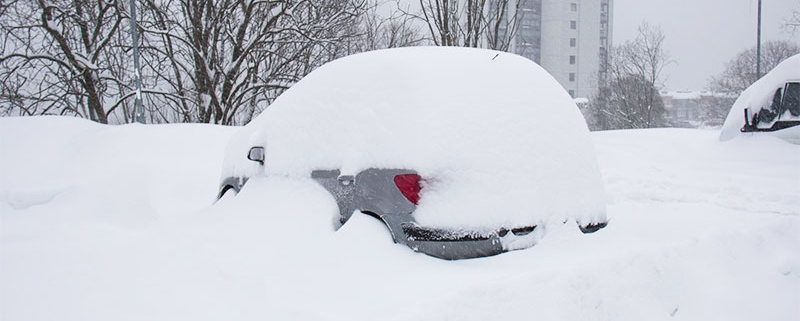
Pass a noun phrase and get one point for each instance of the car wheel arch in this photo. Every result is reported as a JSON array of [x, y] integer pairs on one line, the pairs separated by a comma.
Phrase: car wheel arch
[[382, 220], [225, 189]]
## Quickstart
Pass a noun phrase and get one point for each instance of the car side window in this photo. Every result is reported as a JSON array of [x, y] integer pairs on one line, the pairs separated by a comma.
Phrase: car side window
[[791, 98]]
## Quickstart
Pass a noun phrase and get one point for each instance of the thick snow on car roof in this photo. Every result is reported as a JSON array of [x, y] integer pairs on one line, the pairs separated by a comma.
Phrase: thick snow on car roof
[[497, 139], [759, 95]]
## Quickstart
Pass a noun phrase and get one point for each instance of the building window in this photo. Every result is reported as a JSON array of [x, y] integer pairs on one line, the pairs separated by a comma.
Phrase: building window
[[573, 25], [573, 7], [572, 76], [572, 93], [573, 42], [571, 60]]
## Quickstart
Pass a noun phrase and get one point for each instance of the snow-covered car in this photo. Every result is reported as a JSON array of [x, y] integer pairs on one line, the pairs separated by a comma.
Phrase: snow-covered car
[[461, 153], [770, 105]]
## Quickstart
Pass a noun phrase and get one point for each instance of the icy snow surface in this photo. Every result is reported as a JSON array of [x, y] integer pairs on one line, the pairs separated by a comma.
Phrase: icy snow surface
[[758, 96], [118, 223], [498, 140]]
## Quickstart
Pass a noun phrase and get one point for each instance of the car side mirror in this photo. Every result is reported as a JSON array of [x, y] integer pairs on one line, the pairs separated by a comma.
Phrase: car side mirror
[[256, 154]]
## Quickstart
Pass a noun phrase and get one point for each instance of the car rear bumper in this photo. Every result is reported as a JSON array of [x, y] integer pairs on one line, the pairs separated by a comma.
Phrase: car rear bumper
[[450, 244]]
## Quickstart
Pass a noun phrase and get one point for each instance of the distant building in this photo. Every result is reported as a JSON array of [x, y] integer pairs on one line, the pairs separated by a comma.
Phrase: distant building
[[683, 108], [568, 38]]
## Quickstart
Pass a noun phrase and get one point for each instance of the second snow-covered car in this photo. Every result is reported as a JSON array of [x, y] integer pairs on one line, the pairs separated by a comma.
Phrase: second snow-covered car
[[770, 106], [461, 153]]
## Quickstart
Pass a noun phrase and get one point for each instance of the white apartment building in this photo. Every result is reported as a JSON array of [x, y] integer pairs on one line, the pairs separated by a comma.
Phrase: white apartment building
[[569, 38]]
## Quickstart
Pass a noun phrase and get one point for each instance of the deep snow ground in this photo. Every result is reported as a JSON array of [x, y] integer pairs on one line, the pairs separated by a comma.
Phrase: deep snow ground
[[100, 223]]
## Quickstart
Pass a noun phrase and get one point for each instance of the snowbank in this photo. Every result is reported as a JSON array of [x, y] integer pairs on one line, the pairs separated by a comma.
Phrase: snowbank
[[701, 231], [500, 142], [66, 157], [758, 96]]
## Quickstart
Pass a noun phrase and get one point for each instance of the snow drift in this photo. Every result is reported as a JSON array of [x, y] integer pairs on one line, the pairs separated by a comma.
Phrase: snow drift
[[701, 231]]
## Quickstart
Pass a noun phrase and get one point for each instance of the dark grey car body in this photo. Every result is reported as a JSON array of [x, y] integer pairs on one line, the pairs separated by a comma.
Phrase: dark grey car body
[[374, 192]]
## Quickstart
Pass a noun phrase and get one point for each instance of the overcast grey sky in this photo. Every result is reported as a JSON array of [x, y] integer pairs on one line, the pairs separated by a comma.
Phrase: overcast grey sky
[[701, 35]]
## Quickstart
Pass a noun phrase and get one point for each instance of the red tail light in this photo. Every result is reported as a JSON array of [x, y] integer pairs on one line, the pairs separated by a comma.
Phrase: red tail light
[[408, 184]]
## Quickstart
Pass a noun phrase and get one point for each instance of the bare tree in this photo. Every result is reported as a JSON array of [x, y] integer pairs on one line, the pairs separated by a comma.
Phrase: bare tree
[[216, 61], [630, 97], [644, 58], [381, 31], [441, 17], [471, 23], [740, 73], [793, 22], [228, 58], [56, 55], [502, 24], [626, 102]]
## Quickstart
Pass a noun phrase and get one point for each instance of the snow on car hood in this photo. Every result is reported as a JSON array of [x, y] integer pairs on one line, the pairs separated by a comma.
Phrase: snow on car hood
[[759, 95], [498, 141]]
